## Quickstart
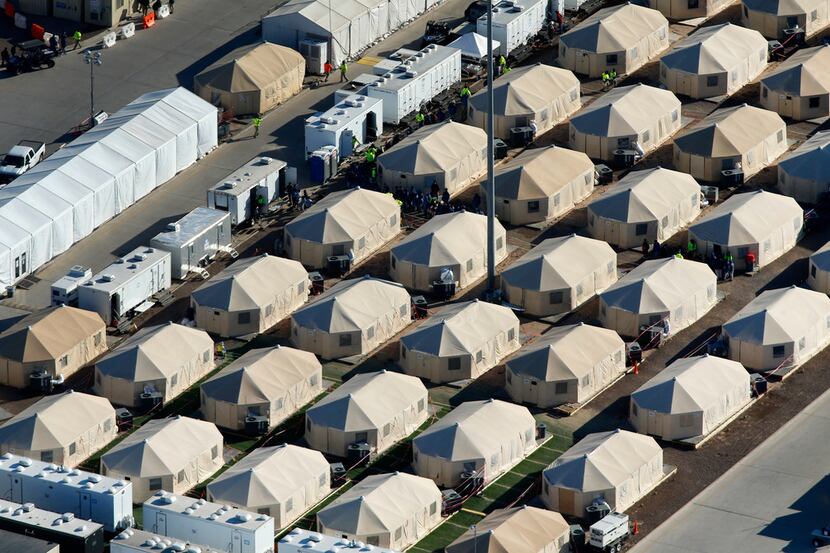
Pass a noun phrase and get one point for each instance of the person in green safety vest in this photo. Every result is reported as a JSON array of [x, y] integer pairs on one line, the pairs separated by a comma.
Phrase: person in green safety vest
[[260, 206], [343, 69], [502, 65], [465, 101], [257, 121], [370, 155], [419, 118], [77, 37], [612, 77]]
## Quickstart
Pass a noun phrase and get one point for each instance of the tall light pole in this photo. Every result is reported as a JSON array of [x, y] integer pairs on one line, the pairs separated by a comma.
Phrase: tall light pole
[[491, 181], [92, 59], [474, 528]]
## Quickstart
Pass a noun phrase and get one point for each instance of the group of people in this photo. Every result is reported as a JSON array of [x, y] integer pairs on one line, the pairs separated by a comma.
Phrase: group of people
[[721, 262], [297, 200], [427, 204], [609, 78], [144, 6], [57, 43]]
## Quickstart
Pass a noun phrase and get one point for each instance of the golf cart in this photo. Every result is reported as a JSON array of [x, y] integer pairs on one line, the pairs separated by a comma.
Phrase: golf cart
[[30, 55]]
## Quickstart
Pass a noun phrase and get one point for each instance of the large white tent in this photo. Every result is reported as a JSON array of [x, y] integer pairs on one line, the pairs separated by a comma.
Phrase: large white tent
[[818, 276], [680, 10], [805, 173], [473, 45], [522, 529], [799, 87], [772, 17]]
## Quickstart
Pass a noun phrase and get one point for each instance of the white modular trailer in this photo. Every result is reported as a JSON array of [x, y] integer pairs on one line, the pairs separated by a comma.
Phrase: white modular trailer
[[195, 239], [237, 192], [132, 540], [416, 80], [214, 525], [106, 501], [515, 22], [127, 283], [300, 540], [73, 535], [356, 116]]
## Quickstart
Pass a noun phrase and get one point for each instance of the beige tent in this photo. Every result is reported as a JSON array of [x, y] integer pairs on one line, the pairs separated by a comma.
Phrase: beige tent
[[772, 17], [451, 155], [171, 454], [818, 277], [167, 359], [669, 294], [680, 10], [353, 317], [569, 364], [540, 93], [250, 296], [384, 510], [483, 437], [461, 341], [805, 173], [799, 87], [779, 329], [356, 222], [652, 204], [714, 61], [269, 382], [378, 409], [521, 529], [455, 241], [559, 275], [58, 341], [624, 118], [618, 466], [743, 137], [63, 429], [283, 482], [255, 82], [766, 224], [622, 37], [690, 398], [527, 191]]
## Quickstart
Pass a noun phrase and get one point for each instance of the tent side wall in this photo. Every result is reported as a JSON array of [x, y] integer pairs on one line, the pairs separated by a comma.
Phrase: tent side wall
[[817, 279], [679, 10], [778, 242], [619, 233], [694, 85], [518, 212], [792, 105], [558, 109], [419, 277], [540, 303], [85, 444], [772, 26], [805, 191], [592, 64], [542, 394], [573, 502]]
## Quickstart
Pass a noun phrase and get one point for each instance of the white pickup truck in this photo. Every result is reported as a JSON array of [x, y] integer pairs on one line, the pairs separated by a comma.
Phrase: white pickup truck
[[22, 157]]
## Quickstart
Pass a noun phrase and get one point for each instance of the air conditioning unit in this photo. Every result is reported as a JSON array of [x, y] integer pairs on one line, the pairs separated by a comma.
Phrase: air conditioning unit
[[173, 227], [316, 53]]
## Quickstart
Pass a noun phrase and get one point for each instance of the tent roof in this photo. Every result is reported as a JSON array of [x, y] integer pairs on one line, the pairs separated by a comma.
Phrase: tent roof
[[748, 218], [625, 111], [259, 68], [566, 353], [48, 334], [821, 257], [716, 49], [250, 283], [516, 530], [527, 90], [434, 149], [647, 195], [559, 263], [602, 461], [782, 7], [779, 316], [261, 375], [325, 15], [528, 175], [473, 45], [367, 401], [730, 131], [805, 73], [691, 385], [614, 29], [811, 160]]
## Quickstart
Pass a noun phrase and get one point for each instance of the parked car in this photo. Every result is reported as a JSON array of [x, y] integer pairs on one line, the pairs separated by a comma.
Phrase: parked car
[[21, 157]]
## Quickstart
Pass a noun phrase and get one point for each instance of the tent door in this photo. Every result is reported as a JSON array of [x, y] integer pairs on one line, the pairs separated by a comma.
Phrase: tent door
[[85, 506], [503, 209], [583, 63], [566, 501], [533, 394], [684, 85], [785, 105], [612, 235], [345, 145], [161, 523], [371, 126], [593, 146], [653, 428], [697, 166]]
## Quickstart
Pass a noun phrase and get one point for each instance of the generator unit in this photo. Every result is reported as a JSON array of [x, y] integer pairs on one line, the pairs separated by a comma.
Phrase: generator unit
[[237, 192], [132, 540], [72, 534], [515, 22], [315, 52], [106, 501], [356, 116], [610, 533], [194, 240], [305, 541], [220, 526], [65, 289]]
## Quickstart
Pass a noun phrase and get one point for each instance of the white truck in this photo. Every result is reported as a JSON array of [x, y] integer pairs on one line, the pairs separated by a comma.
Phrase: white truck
[[610, 533], [22, 157]]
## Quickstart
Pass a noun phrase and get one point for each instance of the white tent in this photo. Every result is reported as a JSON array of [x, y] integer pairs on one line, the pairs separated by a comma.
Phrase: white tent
[[773, 17], [765, 224], [386, 510], [680, 10], [617, 466], [283, 482], [779, 329], [559, 275], [818, 277], [805, 173], [799, 87], [378, 409], [669, 294], [473, 45], [690, 398], [461, 341], [486, 437], [569, 364], [520, 529]]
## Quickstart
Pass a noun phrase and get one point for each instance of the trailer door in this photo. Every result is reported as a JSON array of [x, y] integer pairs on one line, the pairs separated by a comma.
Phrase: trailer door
[[236, 542], [161, 523], [85, 506], [17, 489]]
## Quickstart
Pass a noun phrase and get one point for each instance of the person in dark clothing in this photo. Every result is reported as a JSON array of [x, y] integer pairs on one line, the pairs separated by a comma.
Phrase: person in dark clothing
[[645, 247], [289, 190], [63, 42], [170, 4], [476, 203], [445, 197], [157, 6], [656, 249], [4, 57], [53, 43]]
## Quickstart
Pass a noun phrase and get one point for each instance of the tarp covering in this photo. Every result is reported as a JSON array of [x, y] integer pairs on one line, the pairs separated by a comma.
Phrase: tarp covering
[[473, 45], [521, 529], [799, 87]]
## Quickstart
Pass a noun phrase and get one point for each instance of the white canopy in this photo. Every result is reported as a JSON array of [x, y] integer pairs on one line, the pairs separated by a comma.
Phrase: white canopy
[[614, 29], [626, 111], [805, 73], [473, 45], [528, 175], [718, 49], [729, 132], [520, 529]]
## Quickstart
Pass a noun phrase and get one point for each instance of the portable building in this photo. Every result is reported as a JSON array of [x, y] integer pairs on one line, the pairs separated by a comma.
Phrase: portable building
[[353, 317], [690, 398], [454, 241], [450, 155], [377, 409], [300, 540], [569, 364], [268, 384], [162, 360], [356, 222], [57, 341], [64, 531], [779, 329], [237, 193], [652, 204], [355, 118], [515, 23], [195, 240], [624, 118], [12, 543], [622, 38], [461, 341], [559, 275], [803, 174], [477, 438], [818, 276], [172, 454], [741, 137], [799, 87], [473, 46], [619, 467], [250, 296], [283, 482], [363, 513], [63, 429], [181, 517], [714, 61], [516, 530], [668, 294], [133, 540], [125, 285], [773, 18], [540, 93], [679, 10]]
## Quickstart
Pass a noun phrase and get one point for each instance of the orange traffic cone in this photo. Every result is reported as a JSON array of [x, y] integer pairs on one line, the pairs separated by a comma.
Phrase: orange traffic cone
[[636, 367], [636, 529]]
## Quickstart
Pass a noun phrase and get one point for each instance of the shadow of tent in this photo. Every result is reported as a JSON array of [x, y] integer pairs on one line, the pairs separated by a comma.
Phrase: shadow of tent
[[810, 513]]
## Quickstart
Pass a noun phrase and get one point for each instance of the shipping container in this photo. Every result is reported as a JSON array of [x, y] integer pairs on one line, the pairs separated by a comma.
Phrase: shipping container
[[237, 192], [194, 240], [74, 535], [515, 22]]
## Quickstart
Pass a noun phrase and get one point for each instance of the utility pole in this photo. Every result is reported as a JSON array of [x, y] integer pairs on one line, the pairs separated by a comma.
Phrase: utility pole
[[92, 59], [491, 180]]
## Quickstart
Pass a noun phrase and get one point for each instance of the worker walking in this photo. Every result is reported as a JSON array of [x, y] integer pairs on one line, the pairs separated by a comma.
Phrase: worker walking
[[419, 119], [257, 124], [606, 78], [327, 69], [465, 101], [76, 36], [612, 77], [260, 206], [4, 57], [502, 64], [343, 69]]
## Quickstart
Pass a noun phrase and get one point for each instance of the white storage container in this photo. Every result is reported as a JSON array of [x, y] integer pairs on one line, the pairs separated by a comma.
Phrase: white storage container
[[514, 23], [74, 535], [195, 239], [65, 289], [305, 541], [237, 192], [355, 116], [132, 540]]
